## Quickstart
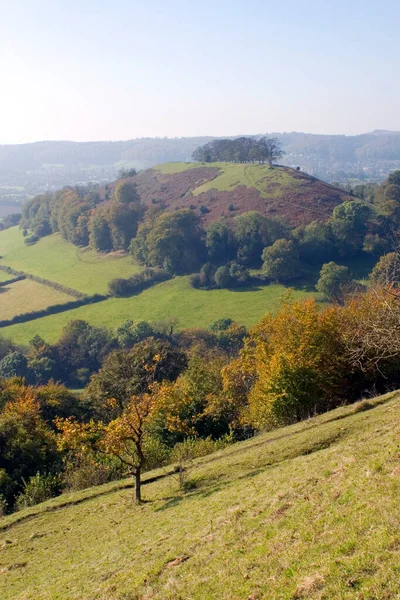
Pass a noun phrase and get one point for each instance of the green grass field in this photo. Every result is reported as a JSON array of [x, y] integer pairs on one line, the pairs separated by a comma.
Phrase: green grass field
[[26, 296], [175, 298], [307, 512], [57, 260], [5, 276]]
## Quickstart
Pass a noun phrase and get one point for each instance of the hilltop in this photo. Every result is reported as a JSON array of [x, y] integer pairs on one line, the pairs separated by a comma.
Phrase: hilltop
[[308, 511], [29, 169], [226, 189]]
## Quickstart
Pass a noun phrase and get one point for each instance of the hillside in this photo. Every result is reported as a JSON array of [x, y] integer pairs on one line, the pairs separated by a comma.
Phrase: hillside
[[309, 511], [89, 272], [29, 169], [226, 189]]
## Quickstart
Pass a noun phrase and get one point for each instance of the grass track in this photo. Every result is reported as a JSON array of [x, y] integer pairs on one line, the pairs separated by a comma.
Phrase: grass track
[[310, 511]]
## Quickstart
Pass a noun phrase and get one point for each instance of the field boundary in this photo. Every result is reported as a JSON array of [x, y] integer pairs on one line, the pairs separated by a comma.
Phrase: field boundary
[[53, 309], [56, 286]]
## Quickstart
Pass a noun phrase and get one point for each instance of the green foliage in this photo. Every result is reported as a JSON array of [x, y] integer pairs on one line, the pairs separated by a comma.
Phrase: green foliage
[[253, 233], [137, 282], [125, 373], [281, 261], [222, 277], [220, 242], [14, 364], [174, 242], [333, 281], [316, 242], [126, 192], [38, 489], [242, 150]]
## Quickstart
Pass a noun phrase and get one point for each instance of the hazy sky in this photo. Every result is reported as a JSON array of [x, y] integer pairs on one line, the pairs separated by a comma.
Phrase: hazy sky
[[118, 69]]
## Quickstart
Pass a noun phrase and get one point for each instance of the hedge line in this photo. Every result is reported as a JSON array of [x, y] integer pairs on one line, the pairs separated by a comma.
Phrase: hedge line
[[137, 283], [13, 280], [56, 286], [52, 310]]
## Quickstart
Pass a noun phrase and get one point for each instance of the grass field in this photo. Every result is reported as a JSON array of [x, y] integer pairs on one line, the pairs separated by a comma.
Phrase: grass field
[[5, 276], [307, 512], [175, 298], [57, 260], [26, 296], [235, 174]]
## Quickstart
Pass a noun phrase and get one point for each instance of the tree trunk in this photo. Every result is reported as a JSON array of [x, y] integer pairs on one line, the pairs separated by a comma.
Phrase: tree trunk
[[138, 491]]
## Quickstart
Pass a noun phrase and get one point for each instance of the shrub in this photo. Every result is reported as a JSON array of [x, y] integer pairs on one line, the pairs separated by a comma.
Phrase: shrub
[[31, 239], [38, 489], [137, 282]]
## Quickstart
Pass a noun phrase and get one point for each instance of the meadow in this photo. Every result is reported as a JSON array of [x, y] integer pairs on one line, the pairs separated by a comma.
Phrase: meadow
[[310, 511], [26, 296], [57, 260], [172, 299]]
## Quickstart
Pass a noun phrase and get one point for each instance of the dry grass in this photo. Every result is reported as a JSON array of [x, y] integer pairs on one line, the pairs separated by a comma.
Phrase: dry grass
[[309, 511], [26, 296]]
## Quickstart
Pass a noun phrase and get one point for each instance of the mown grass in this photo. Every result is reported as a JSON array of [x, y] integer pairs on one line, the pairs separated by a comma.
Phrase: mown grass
[[174, 298], [26, 296], [308, 511], [57, 260]]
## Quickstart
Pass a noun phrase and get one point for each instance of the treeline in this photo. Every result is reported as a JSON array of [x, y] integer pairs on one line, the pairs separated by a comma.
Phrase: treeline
[[240, 150], [10, 221], [86, 215], [157, 396], [221, 253]]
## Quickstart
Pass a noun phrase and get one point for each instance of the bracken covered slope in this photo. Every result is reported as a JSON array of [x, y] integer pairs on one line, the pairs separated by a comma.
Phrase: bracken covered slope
[[309, 511], [226, 189]]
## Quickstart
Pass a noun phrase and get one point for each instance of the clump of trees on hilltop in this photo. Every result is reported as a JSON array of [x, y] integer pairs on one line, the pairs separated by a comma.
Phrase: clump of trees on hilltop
[[240, 150]]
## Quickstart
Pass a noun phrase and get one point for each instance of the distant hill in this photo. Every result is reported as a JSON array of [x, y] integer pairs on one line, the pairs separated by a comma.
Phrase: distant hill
[[28, 169], [310, 511]]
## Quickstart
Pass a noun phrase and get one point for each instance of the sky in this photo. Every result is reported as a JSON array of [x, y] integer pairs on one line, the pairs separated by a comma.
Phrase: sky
[[119, 69]]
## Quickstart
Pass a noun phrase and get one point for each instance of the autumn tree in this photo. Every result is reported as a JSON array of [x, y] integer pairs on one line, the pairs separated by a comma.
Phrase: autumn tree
[[125, 436], [387, 270], [293, 365]]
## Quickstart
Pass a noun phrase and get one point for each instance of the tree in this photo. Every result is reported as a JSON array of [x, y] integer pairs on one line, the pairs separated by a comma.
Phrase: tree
[[126, 192], [222, 277], [349, 226], [130, 373], [253, 232], [82, 346], [281, 261], [387, 270], [292, 365], [172, 241], [14, 365], [333, 281], [125, 436], [220, 242], [316, 242], [27, 445], [99, 231]]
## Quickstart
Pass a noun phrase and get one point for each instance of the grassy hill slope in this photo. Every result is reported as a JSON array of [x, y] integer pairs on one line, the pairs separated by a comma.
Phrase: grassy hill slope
[[309, 511], [57, 260], [175, 298], [227, 189]]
